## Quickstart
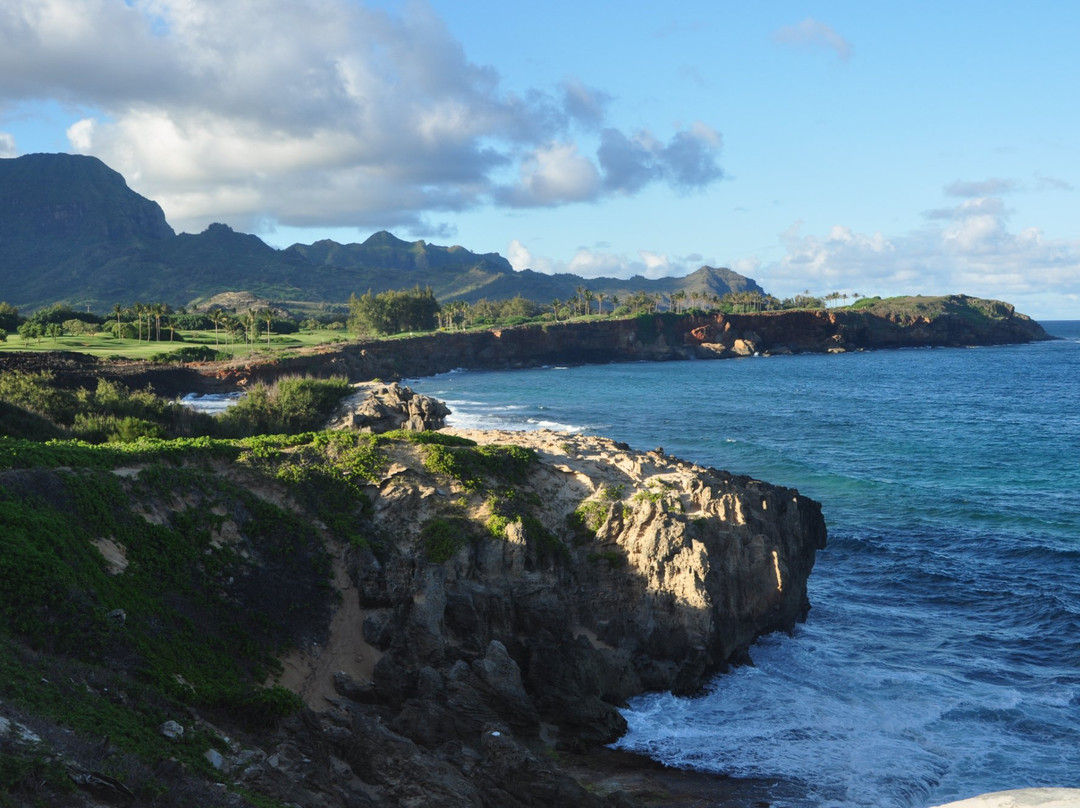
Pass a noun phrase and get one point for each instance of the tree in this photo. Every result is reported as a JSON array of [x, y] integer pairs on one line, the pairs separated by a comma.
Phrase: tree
[[251, 326], [9, 316], [268, 315], [117, 309], [158, 310], [138, 309], [30, 330], [394, 311], [217, 317]]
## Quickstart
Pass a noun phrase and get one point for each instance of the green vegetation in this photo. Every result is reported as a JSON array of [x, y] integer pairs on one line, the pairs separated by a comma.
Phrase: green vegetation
[[972, 309], [588, 518], [393, 312], [480, 466], [443, 537], [591, 514], [37, 409], [287, 406], [141, 583]]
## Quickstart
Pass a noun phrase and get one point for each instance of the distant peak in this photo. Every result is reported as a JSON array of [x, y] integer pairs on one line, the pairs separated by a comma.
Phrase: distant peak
[[384, 238]]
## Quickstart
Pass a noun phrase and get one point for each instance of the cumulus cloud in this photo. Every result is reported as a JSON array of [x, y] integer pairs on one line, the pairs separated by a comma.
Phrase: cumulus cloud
[[314, 112], [553, 174], [811, 33], [598, 263], [7, 145], [969, 248], [687, 162]]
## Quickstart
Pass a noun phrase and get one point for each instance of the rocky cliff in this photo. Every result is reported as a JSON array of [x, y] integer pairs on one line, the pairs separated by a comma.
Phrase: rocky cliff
[[955, 321], [458, 611]]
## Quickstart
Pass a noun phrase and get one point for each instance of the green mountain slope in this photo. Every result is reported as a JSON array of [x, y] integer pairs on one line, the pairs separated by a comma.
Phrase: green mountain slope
[[71, 230]]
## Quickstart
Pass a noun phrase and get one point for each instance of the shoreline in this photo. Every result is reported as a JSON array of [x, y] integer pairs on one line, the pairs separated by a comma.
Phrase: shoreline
[[654, 785]]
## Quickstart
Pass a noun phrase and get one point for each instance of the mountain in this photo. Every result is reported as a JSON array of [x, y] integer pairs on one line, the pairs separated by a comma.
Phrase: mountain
[[72, 230]]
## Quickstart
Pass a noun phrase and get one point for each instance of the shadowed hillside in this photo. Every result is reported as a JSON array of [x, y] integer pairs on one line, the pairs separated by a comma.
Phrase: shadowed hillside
[[71, 230]]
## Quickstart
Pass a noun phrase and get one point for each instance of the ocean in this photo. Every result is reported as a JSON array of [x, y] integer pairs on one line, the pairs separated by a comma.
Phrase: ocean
[[941, 656]]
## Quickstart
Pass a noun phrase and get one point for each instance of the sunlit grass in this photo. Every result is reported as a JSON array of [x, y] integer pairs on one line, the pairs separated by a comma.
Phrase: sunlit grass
[[105, 345]]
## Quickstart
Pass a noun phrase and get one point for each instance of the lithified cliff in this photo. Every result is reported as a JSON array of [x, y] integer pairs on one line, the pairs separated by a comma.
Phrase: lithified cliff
[[955, 321], [457, 611], [512, 610]]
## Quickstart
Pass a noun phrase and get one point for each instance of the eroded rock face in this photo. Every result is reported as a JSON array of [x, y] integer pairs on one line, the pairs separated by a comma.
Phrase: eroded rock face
[[671, 574], [378, 408]]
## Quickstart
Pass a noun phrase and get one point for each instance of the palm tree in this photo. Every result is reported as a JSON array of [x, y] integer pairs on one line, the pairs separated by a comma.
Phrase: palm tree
[[555, 309], [268, 315], [217, 316], [139, 308], [117, 309], [677, 298], [589, 298], [157, 310]]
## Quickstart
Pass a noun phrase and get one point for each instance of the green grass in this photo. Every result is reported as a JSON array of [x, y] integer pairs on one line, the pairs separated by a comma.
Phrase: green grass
[[106, 346]]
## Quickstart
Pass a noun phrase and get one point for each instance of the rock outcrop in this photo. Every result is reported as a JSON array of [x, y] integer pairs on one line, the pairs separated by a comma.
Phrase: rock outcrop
[[378, 408], [597, 574], [955, 321], [460, 612]]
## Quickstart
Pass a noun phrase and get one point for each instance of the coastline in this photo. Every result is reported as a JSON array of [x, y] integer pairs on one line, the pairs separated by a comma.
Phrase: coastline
[[653, 785]]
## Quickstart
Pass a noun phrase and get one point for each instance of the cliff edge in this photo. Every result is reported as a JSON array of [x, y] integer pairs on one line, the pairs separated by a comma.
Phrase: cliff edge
[[927, 322], [456, 610]]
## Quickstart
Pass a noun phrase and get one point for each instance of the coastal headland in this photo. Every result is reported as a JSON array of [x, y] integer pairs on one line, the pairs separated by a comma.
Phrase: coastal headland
[[433, 618], [448, 618], [952, 321], [955, 321]]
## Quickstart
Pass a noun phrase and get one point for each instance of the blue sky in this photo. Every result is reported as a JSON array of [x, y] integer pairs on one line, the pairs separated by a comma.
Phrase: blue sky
[[878, 148]]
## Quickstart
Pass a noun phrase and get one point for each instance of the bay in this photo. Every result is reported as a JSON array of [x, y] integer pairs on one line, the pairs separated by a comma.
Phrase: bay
[[941, 658]]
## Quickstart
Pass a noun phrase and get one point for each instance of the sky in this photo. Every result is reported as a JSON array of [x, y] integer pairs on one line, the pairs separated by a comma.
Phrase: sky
[[865, 148]]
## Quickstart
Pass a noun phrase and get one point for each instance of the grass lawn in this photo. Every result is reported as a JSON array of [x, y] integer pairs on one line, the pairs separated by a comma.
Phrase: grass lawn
[[103, 345]]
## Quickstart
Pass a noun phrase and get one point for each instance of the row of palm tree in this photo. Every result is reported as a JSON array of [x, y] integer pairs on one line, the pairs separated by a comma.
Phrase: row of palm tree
[[157, 315]]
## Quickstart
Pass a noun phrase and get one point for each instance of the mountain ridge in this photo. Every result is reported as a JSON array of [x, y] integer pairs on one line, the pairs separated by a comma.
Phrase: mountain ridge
[[72, 230]]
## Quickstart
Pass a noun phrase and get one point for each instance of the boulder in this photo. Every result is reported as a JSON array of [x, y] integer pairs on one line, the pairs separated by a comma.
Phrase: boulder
[[384, 408]]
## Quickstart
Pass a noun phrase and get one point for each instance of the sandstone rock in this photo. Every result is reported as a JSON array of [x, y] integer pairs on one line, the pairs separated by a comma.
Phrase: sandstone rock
[[684, 573], [383, 408]]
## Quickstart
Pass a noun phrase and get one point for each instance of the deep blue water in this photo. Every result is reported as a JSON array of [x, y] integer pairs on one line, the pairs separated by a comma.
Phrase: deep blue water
[[941, 658]]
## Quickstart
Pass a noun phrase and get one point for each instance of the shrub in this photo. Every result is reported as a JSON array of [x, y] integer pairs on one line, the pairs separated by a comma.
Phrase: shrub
[[588, 518], [288, 406], [473, 466], [190, 353], [443, 537]]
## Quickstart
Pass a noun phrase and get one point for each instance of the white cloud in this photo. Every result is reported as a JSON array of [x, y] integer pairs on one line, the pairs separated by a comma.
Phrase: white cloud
[[594, 263], [814, 34], [81, 134], [310, 112], [966, 249], [7, 145], [554, 174]]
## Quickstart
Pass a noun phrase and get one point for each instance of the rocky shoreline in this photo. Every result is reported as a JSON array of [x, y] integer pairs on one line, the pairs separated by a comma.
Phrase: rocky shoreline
[[656, 337], [494, 676], [521, 587]]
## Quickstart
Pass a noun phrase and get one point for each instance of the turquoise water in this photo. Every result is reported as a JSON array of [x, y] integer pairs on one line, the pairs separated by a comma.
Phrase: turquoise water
[[941, 657]]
